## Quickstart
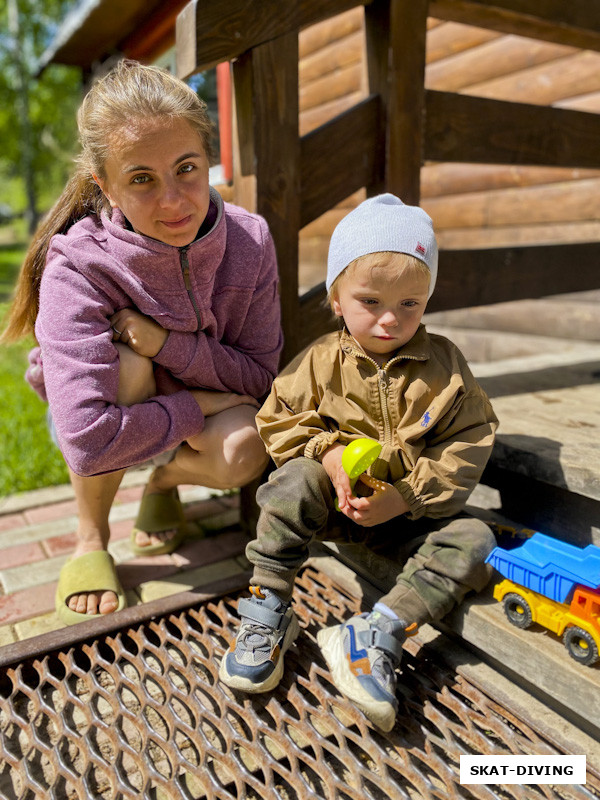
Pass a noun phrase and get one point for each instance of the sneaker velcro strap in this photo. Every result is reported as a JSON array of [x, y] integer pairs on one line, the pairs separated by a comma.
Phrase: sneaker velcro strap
[[250, 609], [374, 637]]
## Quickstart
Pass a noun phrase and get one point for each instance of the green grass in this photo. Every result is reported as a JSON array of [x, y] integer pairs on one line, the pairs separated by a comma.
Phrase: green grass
[[29, 459], [11, 258]]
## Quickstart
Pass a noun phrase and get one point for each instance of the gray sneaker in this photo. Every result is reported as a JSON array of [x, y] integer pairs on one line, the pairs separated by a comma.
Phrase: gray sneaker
[[362, 655], [254, 662]]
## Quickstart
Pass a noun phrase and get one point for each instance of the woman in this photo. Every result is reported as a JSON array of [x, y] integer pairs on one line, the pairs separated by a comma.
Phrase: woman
[[155, 308]]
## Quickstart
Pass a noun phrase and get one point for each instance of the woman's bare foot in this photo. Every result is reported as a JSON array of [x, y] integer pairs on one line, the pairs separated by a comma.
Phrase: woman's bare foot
[[146, 539], [92, 602]]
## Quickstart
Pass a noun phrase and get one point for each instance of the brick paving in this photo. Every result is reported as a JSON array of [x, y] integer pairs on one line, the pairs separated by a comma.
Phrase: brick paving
[[37, 535]]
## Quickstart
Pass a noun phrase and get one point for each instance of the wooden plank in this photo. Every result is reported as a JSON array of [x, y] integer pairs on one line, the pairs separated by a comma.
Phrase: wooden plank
[[537, 504], [538, 658], [576, 23], [377, 44], [317, 319], [350, 139], [329, 59], [314, 117], [527, 205], [317, 37], [277, 148], [518, 235], [404, 138], [494, 60], [544, 84], [452, 38], [479, 277], [342, 82], [438, 180], [205, 36], [242, 133], [473, 129]]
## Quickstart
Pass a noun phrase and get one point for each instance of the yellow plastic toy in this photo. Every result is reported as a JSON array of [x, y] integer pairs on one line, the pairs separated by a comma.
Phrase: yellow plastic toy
[[357, 458]]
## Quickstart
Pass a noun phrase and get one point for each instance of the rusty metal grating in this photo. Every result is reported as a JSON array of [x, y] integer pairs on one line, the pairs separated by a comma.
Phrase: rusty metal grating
[[140, 713]]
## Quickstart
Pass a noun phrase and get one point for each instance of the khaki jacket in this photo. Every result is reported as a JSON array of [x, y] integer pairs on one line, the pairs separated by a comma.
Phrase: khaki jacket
[[434, 421]]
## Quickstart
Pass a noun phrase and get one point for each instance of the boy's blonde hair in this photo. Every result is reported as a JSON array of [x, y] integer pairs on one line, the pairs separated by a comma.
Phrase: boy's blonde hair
[[129, 93], [402, 263]]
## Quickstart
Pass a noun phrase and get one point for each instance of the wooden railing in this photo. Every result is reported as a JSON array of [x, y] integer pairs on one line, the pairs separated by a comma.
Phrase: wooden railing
[[382, 142]]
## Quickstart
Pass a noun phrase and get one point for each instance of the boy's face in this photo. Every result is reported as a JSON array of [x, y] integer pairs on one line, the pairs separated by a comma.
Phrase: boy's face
[[382, 306]]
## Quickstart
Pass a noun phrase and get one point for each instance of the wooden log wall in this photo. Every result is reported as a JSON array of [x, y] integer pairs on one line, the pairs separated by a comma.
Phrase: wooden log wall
[[371, 120], [473, 205]]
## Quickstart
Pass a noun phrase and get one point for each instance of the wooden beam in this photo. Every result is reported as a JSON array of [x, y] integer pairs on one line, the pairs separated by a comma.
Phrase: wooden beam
[[316, 38], [507, 56], [478, 130], [438, 180], [377, 43], [242, 134], [480, 277], [525, 205], [340, 157], [277, 148], [575, 23], [206, 36], [316, 319], [452, 38], [408, 32]]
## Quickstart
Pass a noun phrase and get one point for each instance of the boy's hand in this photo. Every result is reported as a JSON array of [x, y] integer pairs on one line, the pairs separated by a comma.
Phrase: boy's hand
[[384, 504], [145, 336], [332, 462]]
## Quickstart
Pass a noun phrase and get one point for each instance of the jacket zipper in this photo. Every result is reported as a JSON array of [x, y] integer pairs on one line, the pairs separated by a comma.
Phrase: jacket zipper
[[382, 385], [185, 271]]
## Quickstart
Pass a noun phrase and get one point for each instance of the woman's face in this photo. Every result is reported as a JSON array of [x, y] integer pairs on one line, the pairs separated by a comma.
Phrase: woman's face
[[157, 174]]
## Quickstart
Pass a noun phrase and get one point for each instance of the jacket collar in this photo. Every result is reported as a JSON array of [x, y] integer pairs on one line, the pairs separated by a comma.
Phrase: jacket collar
[[417, 349]]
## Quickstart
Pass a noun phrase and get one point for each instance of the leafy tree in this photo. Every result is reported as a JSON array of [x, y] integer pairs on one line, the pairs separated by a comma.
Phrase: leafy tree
[[37, 112]]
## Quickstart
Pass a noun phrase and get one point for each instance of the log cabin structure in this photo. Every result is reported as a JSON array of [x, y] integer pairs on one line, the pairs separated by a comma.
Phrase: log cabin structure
[[484, 112]]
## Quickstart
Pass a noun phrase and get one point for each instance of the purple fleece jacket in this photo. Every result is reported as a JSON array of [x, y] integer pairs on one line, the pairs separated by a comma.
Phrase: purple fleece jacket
[[224, 328]]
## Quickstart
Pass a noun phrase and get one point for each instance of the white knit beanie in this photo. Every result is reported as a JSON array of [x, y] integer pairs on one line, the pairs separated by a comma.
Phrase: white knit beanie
[[382, 223]]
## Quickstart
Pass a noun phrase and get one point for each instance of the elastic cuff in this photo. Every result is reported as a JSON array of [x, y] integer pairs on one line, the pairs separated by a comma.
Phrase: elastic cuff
[[281, 585], [316, 446], [416, 509]]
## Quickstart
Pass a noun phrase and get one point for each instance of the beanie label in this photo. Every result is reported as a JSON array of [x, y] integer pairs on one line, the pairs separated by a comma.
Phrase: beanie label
[[421, 249]]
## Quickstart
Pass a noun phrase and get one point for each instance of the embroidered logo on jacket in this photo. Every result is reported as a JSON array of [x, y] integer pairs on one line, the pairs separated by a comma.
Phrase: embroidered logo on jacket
[[426, 419]]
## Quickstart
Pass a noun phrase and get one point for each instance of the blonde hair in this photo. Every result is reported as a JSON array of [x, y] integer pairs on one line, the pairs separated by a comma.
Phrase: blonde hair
[[130, 91], [402, 263]]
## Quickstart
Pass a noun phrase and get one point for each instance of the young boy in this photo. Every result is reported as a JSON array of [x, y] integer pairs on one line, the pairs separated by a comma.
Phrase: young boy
[[383, 377]]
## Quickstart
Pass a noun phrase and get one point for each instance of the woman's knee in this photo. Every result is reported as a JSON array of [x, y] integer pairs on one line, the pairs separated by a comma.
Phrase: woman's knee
[[230, 448], [136, 377]]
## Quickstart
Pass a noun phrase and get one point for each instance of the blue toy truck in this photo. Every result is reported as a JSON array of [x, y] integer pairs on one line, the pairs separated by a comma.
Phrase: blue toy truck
[[556, 585]]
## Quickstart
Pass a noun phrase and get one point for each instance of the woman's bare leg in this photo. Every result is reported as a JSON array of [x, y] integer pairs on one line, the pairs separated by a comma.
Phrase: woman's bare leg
[[95, 495], [227, 454]]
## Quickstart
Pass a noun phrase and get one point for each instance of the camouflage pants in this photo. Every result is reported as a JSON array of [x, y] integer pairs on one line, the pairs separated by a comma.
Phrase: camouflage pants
[[437, 561]]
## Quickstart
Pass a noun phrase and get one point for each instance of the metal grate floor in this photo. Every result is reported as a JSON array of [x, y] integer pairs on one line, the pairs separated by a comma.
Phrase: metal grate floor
[[140, 713]]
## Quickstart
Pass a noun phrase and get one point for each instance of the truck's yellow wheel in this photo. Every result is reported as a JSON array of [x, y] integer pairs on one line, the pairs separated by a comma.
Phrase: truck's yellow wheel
[[581, 646], [517, 610]]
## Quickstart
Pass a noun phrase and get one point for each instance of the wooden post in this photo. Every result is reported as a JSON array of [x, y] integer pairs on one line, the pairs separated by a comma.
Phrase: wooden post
[[242, 134], [277, 151], [408, 30]]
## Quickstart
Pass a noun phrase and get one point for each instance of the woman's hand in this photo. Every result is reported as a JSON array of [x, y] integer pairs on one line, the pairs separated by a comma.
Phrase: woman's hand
[[332, 463], [384, 504], [145, 336], [212, 402]]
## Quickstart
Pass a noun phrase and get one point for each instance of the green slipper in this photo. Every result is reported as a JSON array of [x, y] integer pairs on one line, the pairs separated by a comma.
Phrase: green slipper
[[162, 512], [91, 572]]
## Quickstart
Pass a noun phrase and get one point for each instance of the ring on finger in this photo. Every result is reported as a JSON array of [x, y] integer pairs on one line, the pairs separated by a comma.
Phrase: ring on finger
[[119, 333]]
